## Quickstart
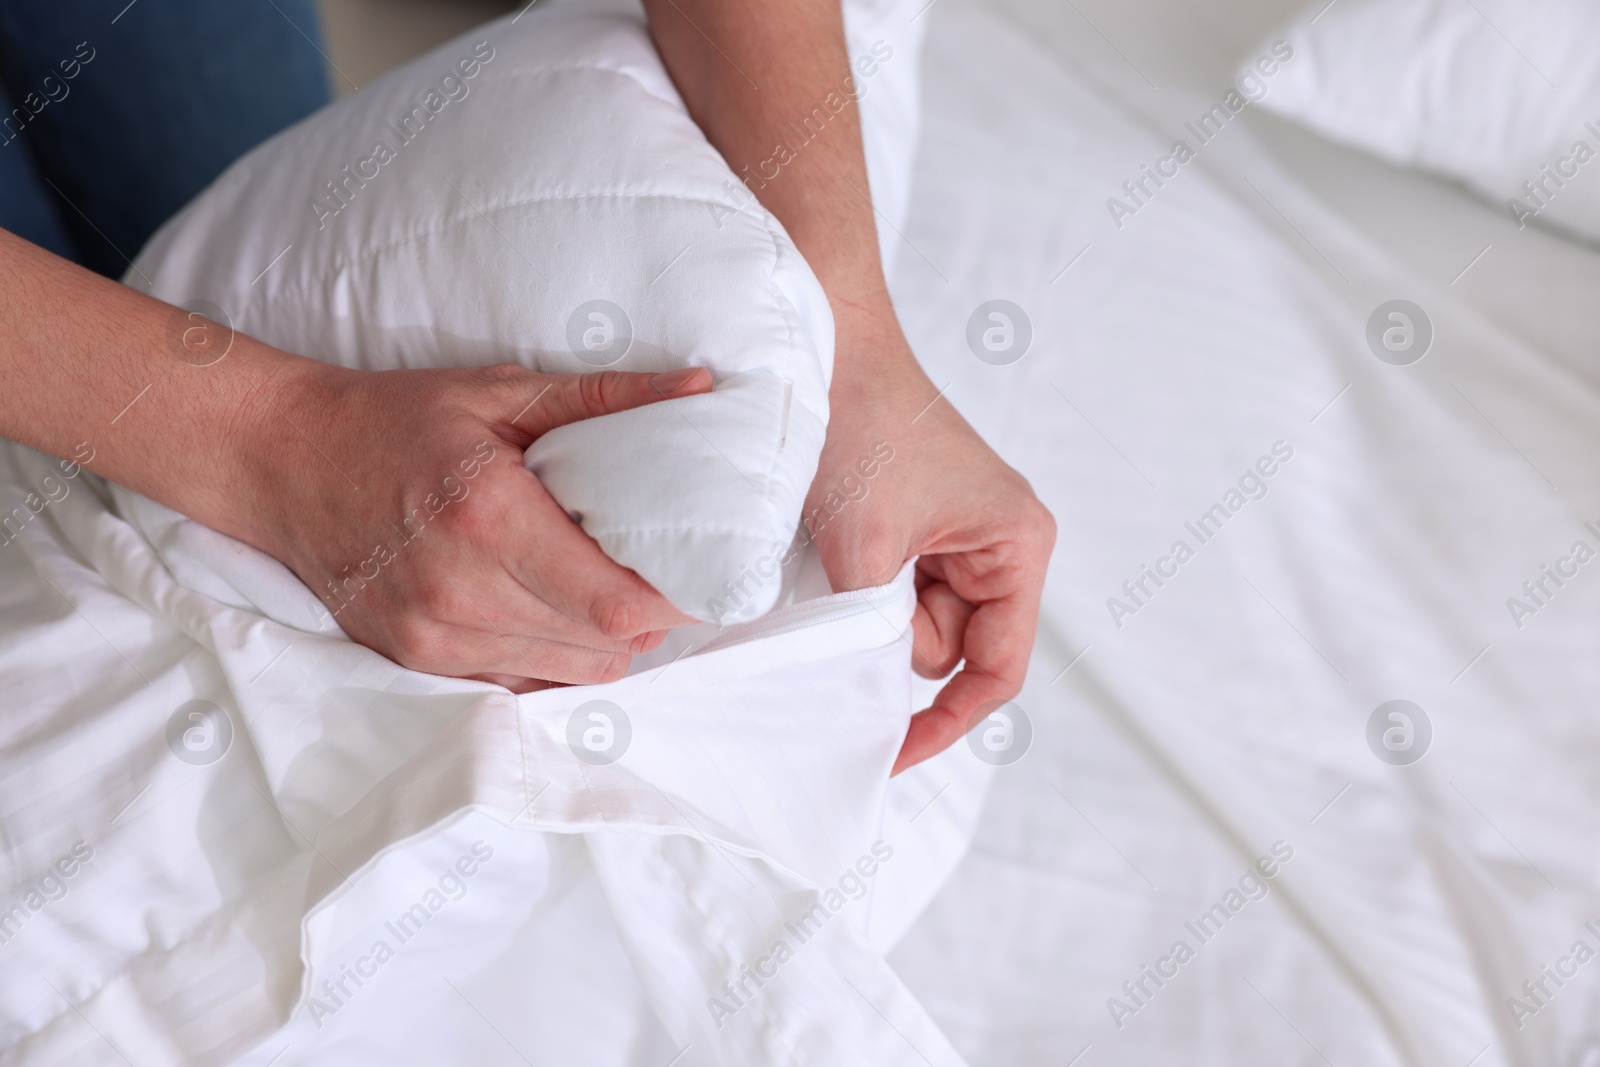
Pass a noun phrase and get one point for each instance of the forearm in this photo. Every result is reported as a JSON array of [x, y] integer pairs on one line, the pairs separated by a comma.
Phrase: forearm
[[95, 369], [751, 80]]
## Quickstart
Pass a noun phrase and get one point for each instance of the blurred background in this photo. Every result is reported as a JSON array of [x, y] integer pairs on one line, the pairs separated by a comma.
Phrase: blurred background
[[367, 37]]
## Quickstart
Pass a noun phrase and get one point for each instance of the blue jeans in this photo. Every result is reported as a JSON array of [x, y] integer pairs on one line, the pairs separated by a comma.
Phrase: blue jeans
[[112, 117]]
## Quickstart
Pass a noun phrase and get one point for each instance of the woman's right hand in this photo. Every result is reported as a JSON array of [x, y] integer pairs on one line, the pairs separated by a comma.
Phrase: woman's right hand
[[401, 499]]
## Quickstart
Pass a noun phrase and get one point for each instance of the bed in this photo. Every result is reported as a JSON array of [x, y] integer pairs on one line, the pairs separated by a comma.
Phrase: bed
[[1205, 769], [1231, 712]]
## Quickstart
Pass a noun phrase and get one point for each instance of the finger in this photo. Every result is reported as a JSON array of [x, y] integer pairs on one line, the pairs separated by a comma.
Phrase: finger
[[938, 628], [460, 653], [953, 713], [564, 398], [514, 683], [555, 661], [503, 606], [568, 571], [648, 642], [997, 642], [447, 636]]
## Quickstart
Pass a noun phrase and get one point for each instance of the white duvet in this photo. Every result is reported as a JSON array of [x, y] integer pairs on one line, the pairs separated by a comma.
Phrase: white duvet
[[353, 797], [1413, 914]]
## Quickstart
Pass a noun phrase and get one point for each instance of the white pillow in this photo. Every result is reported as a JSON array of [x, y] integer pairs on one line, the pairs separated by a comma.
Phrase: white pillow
[[1502, 96], [536, 192]]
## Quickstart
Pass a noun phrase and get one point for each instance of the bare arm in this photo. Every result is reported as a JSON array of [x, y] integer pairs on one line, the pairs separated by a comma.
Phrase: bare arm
[[983, 538], [93, 365], [320, 467], [765, 69]]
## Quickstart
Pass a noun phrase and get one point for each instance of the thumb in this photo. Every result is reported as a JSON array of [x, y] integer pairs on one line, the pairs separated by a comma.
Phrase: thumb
[[564, 398]]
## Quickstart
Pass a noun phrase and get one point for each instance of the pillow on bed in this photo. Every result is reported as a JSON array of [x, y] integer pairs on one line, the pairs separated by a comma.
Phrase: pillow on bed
[[535, 192], [1504, 97]]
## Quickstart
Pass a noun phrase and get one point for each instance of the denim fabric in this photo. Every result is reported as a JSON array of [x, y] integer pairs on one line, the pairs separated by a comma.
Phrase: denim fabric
[[117, 114]]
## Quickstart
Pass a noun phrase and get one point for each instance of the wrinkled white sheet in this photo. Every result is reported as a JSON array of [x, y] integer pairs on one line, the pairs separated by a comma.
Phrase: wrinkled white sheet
[[1230, 712], [285, 848], [353, 790], [561, 169], [1228, 715]]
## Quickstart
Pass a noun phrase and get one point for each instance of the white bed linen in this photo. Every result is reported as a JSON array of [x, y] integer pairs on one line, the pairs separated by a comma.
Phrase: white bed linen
[[1227, 314], [756, 774], [229, 908], [1499, 97], [557, 196], [1226, 716]]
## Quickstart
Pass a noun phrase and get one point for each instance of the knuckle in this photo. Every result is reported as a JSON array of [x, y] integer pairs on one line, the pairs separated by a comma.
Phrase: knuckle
[[600, 393], [939, 664], [469, 519], [468, 389], [506, 373], [872, 554], [618, 615], [611, 668], [597, 668], [436, 601], [880, 545], [411, 642], [431, 602], [1042, 525]]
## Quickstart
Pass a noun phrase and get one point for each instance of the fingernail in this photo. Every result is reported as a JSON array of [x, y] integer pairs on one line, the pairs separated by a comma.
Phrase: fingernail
[[668, 382]]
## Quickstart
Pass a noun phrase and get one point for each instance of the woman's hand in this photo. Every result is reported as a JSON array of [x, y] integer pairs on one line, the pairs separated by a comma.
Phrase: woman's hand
[[982, 537], [399, 497], [414, 520]]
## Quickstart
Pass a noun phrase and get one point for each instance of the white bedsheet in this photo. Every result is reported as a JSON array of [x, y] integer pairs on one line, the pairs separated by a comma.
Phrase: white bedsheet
[[1227, 715], [1230, 712], [355, 793]]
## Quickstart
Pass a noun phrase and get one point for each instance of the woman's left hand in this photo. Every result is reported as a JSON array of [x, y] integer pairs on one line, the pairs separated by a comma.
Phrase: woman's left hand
[[983, 538]]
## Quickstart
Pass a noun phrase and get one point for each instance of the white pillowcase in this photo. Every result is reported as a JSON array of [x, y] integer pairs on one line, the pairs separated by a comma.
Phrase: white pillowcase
[[536, 192], [1502, 95]]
